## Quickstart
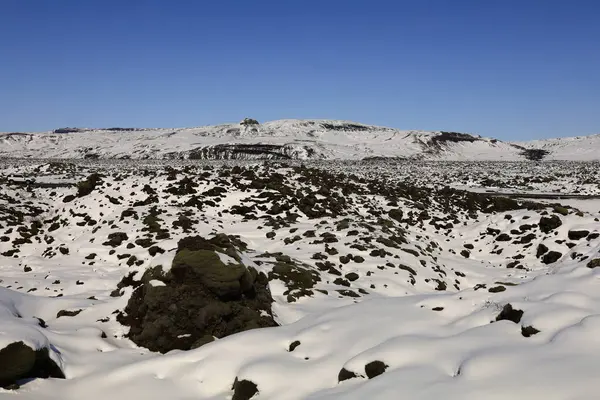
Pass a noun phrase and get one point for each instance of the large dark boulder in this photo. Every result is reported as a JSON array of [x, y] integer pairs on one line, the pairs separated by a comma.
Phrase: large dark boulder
[[19, 361], [207, 293]]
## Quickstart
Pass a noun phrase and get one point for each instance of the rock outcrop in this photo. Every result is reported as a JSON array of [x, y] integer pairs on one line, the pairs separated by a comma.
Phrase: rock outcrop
[[208, 293]]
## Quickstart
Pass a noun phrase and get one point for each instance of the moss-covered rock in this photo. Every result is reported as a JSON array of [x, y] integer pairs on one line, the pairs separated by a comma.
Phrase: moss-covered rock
[[203, 297], [205, 267]]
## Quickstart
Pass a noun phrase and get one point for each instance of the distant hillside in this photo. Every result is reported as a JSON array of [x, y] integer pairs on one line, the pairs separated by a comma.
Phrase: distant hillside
[[287, 139]]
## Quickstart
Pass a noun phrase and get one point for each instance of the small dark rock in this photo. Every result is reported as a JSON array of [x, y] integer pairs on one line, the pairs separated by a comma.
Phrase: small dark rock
[[548, 224], [293, 345], [497, 289], [541, 250], [66, 313], [344, 375], [503, 237], [595, 263], [352, 276], [510, 314], [244, 389], [375, 368], [528, 331], [551, 257], [576, 235]]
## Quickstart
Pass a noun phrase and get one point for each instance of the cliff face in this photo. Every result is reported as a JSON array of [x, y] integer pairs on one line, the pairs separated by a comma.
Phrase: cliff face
[[246, 152]]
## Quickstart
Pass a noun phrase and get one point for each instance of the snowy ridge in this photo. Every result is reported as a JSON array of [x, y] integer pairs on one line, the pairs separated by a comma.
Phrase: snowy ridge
[[580, 148], [284, 139]]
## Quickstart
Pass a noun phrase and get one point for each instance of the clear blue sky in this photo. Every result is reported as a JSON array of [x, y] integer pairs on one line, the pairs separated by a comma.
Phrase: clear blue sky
[[512, 69]]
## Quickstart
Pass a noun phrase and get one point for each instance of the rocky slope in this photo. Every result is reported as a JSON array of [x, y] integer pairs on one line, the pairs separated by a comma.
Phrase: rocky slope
[[285, 139]]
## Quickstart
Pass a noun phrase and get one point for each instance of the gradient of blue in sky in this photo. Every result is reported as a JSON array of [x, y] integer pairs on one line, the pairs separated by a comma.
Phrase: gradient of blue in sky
[[512, 69]]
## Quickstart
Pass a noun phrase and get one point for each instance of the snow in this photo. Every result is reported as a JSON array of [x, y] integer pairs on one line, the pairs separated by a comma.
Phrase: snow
[[455, 353]]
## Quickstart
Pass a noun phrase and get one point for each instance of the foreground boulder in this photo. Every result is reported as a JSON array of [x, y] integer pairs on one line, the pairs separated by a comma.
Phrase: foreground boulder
[[19, 361], [208, 293]]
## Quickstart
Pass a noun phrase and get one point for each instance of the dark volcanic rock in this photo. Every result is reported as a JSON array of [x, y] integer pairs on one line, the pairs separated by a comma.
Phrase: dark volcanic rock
[[375, 368], [344, 375], [510, 314], [396, 214], [592, 236], [548, 224], [551, 257], [202, 297], [534, 154], [19, 361], [503, 237], [529, 331], [86, 187], [115, 239], [244, 389], [541, 250], [67, 313], [595, 263], [576, 235], [497, 289]]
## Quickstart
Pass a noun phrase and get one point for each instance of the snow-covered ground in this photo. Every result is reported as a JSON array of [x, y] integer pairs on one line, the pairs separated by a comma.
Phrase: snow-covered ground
[[297, 139], [403, 287]]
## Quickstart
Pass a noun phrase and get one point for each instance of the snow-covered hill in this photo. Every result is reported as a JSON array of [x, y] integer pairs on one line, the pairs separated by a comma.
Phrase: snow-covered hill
[[283, 139], [578, 148]]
